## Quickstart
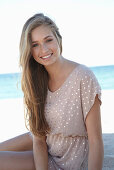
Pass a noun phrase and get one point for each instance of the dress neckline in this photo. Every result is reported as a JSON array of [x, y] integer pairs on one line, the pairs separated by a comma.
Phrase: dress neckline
[[68, 77]]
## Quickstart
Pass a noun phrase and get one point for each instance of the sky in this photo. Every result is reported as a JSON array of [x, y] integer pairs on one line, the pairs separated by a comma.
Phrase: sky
[[86, 26]]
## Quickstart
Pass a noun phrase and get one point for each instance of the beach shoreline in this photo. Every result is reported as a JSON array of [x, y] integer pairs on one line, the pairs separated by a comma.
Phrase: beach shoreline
[[12, 118]]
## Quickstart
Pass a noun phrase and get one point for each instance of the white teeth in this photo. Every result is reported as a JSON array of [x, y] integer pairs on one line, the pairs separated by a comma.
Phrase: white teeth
[[46, 56]]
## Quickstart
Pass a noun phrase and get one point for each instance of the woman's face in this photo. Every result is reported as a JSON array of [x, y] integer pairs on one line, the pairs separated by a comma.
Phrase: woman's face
[[45, 47]]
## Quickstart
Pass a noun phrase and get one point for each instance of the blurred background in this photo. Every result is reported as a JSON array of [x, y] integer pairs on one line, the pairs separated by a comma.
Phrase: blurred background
[[87, 28]]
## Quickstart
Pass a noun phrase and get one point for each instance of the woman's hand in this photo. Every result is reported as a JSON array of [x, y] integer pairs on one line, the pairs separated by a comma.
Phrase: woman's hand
[[40, 153]]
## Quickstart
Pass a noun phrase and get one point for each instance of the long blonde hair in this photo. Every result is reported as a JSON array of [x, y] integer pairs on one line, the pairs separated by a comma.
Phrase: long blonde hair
[[34, 81]]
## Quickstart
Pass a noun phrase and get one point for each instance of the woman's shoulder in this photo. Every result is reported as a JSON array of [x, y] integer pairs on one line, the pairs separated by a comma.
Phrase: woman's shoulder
[[80, 69], [84, 70], [79, 66], [84, 73]]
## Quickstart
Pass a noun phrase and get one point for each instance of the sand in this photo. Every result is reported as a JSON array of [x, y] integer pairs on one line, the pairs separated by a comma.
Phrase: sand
[[12, 123], [107, 111], [107, 115]]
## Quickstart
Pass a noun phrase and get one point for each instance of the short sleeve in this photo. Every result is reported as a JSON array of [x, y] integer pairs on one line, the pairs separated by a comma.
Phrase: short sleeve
[[89, 89]]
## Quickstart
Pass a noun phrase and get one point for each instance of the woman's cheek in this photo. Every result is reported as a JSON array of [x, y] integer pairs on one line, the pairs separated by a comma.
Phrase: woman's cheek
[[34, 53]]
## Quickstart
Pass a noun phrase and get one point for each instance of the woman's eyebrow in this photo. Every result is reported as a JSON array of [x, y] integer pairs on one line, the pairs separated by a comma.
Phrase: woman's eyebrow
[[49, 36]]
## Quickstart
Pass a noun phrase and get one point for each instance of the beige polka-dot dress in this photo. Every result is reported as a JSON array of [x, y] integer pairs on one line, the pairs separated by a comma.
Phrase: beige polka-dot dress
[[66, 110]]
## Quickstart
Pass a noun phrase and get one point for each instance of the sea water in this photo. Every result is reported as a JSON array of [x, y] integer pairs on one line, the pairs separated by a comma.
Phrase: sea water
[[10, 84]]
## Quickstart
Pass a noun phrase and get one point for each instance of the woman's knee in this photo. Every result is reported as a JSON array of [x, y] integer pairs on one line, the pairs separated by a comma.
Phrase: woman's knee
[[22, 142]]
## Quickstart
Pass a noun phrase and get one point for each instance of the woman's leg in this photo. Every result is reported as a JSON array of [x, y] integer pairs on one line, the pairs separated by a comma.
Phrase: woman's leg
[[12, 160], [17, 154], [19, 143]]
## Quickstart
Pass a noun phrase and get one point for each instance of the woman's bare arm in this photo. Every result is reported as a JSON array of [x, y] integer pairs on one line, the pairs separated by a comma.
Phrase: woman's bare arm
[[96, 150], [40, 153], [19, 143]]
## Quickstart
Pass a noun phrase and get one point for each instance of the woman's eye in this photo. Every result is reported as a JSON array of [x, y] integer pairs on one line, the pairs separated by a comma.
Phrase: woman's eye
[[49, 40], [34, 45]]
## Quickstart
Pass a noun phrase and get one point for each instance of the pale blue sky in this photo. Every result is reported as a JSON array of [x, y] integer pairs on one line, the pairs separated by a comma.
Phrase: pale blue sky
[[87, 28]]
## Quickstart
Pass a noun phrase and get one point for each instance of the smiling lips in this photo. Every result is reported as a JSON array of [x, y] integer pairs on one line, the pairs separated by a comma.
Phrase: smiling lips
[[46, 57]]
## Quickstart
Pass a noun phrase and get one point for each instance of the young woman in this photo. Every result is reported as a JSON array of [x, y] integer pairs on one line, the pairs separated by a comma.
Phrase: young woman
[[62, 107]]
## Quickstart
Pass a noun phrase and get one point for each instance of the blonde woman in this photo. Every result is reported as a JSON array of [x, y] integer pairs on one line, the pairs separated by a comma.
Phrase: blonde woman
[[62, 107]]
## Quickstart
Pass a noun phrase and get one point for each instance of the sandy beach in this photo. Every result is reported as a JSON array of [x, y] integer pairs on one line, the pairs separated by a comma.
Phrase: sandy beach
[[107, 111], [107, 117], [12, 123]]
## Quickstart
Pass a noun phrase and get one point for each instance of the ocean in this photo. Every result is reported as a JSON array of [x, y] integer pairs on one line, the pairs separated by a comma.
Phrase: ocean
[[10, 84]]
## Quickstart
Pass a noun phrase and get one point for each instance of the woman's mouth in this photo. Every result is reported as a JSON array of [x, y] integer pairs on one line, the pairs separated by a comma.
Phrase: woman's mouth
[[46, 57]]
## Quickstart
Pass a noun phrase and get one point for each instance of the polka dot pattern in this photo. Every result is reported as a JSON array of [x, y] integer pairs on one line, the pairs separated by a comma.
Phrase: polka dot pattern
[[65, 111]]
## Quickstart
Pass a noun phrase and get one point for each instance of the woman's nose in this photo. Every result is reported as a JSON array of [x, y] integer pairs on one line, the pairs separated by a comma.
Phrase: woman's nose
[[43, 48]]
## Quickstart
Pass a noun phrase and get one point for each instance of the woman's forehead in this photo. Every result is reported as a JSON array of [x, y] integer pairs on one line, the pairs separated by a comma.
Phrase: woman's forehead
[[41, 32]]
